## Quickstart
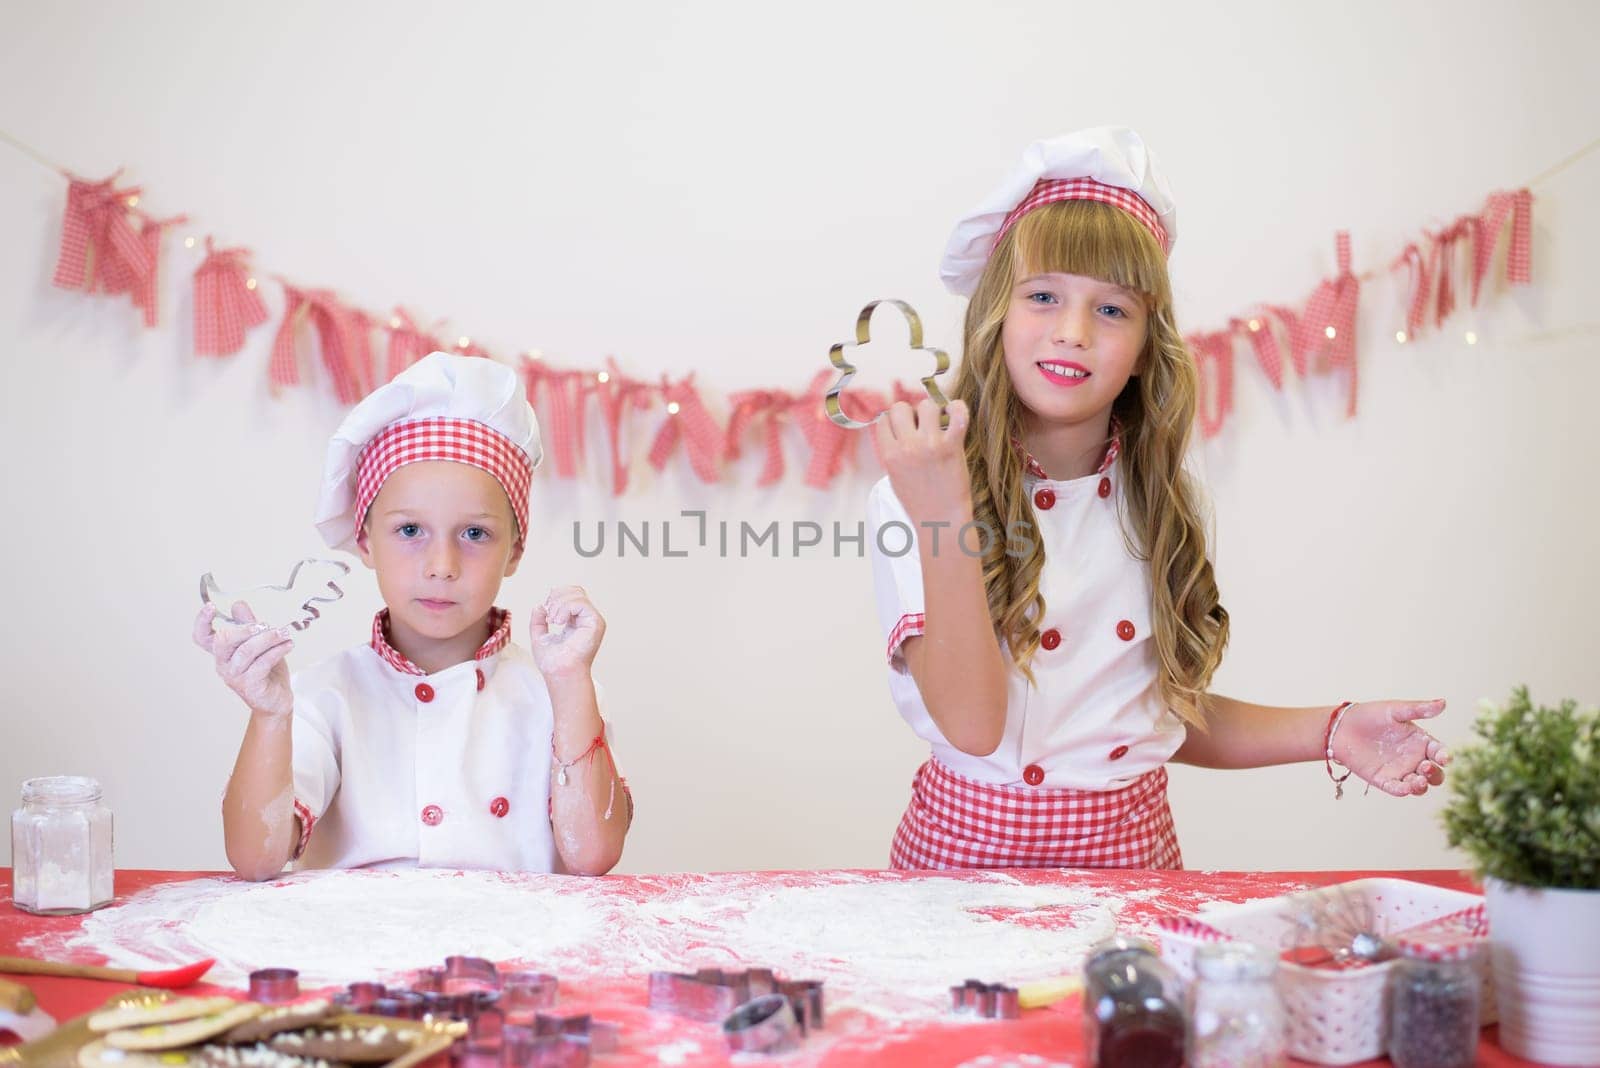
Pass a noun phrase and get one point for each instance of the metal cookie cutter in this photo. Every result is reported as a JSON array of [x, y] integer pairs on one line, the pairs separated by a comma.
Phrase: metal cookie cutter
[[547, 1042], [293, 604], [993, 1001], [711, 994], [832, 402], [766, 1024], [273, 985]]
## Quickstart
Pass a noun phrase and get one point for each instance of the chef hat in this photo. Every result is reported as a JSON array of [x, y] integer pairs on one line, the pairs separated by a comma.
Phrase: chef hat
[[1110, 164], [465, 409]]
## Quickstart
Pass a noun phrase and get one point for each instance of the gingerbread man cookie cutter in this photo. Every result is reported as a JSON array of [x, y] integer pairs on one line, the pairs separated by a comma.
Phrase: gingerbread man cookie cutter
[[832, 402]]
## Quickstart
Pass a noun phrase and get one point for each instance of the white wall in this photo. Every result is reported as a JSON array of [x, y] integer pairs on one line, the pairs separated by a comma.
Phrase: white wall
[[717, 186]]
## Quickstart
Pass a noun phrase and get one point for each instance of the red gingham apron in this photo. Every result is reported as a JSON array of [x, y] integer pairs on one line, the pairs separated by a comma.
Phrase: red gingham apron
[[957, 822]]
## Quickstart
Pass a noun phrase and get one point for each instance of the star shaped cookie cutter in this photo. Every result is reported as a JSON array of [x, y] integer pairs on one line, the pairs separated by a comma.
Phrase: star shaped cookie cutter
[[836, 355], [269, 604]]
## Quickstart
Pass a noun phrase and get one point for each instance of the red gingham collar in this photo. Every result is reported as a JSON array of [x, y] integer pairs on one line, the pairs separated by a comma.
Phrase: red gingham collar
[[499, 619], [1031, 466]]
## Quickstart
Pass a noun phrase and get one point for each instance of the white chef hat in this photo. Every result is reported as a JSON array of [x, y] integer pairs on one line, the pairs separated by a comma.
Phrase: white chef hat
[[465, 409], [1110, 164]]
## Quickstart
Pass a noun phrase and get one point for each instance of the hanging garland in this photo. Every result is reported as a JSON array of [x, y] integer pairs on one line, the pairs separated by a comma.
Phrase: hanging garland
[[108, 245]]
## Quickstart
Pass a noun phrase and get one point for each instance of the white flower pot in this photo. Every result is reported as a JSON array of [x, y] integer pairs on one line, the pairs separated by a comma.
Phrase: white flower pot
[[1546, 947]]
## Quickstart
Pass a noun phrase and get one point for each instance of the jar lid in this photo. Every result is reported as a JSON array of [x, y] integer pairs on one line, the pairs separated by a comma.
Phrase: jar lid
[[60, 790], [1121, 944], [1235, 960], [1419, 949]]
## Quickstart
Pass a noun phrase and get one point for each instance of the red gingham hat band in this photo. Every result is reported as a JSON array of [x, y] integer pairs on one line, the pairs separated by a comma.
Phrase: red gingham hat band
[[461, 441], [1052, 190]]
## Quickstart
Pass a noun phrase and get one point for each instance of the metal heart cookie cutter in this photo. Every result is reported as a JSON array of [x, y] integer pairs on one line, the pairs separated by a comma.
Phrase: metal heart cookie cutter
[[833, 402], [293, 604]]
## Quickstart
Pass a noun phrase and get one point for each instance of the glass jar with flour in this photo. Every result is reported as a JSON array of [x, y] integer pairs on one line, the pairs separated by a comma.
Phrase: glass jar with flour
[[61, 856]]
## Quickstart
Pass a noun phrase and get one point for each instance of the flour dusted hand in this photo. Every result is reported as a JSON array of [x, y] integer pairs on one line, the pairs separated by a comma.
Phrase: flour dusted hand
[[250, 659], [1381, 742], [566, 632]]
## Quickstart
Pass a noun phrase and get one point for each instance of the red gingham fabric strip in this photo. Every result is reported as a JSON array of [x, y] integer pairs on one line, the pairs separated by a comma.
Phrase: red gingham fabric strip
[[618, 394], [957, 822], [1334, 304], [909, 626], [407, 344], [1519, 256], [307, 821], [100, 249], [694, 426], [1519, 259], [565, 393], [1051, 190], [1265, 345], [444, 438], [225, 306], [1213, 353], [831, 444], [500, 634], [341, 334], [1421, 278], [769, 406]]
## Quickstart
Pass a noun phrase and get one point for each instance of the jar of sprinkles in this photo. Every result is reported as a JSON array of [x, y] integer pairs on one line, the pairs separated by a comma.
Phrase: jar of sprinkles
[[1434, 991], [1236, 1017]]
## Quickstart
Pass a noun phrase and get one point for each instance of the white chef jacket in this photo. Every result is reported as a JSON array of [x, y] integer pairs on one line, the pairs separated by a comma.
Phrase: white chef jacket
[[408, 770], [1093, 719]]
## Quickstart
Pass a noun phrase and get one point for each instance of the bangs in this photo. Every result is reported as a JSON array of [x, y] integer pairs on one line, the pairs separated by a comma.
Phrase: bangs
[[1095, 240]]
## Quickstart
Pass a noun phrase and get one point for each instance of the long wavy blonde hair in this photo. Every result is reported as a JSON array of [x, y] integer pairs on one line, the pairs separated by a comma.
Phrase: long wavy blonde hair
[[1163, 520]]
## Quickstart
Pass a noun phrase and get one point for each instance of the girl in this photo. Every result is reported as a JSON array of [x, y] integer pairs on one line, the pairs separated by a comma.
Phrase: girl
[[439, 743], [1053, 620]]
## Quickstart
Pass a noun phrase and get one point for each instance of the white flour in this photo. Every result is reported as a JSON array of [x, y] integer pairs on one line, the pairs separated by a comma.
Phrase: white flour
[[888, 946]]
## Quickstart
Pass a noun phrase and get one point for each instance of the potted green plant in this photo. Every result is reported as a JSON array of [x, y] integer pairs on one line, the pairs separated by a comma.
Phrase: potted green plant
[[1525, 806]]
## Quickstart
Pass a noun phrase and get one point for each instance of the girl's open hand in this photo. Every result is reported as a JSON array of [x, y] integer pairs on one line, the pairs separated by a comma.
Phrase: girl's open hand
[[249, 658], [1381, 742], [926, 463]]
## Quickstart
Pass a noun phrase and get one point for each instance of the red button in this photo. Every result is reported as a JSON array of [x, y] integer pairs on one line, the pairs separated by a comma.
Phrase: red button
[[1045, 500], [1105, 487], [480, 678], [424, 692], [433, 815], [1050, 639], [1119, 752], [1033, 775], [500, 806], [1125, 631]]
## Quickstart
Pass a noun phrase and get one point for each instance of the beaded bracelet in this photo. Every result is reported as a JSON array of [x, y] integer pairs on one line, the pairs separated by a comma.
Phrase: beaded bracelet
[[1327, 746]]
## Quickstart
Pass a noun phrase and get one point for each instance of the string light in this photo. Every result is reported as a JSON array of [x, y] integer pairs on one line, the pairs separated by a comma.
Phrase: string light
[[1400, 336], [250, 283], [188, 242], [394, 322], [1331, 332], [133, 201], [1472, 338], [535, 354], [603, 377], [672, 407], [463, 342], [1255, 326]]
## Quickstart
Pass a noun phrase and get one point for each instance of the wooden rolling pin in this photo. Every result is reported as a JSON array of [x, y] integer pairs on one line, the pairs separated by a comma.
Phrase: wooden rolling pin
[[172, 979], [14, 997]]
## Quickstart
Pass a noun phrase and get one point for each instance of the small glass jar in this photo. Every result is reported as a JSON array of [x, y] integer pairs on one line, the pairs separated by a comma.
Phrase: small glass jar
[[1132, 1007], [61, 847], [1236, 1016], [1434, 990]]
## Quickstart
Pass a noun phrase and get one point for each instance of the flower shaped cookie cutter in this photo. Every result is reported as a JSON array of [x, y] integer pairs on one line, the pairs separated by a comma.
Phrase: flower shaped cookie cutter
[[294, 604], [832, 402]]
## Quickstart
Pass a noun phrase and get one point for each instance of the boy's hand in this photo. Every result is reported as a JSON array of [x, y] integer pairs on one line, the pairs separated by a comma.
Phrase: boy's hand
[[1381, 742], [566, 632], [926, 463], [250, 659]]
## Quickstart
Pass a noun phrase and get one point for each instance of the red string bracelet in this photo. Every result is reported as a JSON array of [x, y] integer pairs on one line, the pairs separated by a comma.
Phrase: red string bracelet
[[1327, 749]]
